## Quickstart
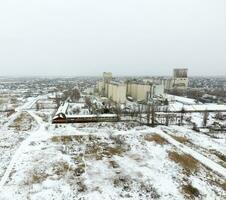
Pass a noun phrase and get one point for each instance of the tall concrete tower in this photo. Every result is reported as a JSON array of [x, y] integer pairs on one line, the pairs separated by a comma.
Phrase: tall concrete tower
[[180, 78], [107, 76]]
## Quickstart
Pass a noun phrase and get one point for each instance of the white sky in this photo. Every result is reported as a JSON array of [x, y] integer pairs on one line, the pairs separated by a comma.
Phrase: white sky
[[126, 37]]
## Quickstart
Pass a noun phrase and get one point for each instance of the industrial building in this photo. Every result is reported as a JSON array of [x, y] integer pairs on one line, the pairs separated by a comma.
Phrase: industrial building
[[143, 91], [116, 91], [179, 80], [136, 90]]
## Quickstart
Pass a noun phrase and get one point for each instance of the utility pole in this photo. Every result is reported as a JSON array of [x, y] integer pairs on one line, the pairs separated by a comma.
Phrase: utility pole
[[148, 113], [182, 116], [139, 113], [153, 115], [167, 117]]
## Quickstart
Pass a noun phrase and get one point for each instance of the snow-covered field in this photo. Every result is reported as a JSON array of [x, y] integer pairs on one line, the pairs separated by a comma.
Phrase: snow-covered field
[[41, 161]]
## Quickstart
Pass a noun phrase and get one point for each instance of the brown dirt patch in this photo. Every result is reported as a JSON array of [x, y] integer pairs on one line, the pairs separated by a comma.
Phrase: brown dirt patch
[[156, 138], [186, 161], [180, 139]]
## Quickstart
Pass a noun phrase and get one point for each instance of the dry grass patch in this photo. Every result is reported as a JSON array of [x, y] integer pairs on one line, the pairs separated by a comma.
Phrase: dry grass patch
[[190, 191], [35, 177], [24, 122], [61, 139], [56, 139], [180, 139], [156, 138], [38, 178], [111, 151], [224, 185], [99, 151], [65, 139], [61, 168], [186, 161]]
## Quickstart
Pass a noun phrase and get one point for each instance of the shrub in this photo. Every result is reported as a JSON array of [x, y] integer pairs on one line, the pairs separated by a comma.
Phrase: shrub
[[190, 191]]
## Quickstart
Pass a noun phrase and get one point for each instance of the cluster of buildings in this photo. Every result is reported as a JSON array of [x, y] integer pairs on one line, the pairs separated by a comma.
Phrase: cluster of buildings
[[140, 90], [132, 89], [179, 80], [116, 91]]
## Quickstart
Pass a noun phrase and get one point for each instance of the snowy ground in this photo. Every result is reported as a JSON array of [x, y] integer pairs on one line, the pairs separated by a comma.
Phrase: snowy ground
[[107, 160]]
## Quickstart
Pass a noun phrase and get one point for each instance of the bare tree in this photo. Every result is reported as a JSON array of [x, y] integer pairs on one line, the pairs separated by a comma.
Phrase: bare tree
[[133, 112], [139, 113], [182, 116], [66, 95], [118, 111], [57, 100], [152, 115], [75, 95], [88, 103], [167, 117], [205, 118], [148, 111], [37, 106]]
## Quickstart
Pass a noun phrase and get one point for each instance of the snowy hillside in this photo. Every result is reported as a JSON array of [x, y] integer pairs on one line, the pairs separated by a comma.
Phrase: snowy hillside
[[107, 163]]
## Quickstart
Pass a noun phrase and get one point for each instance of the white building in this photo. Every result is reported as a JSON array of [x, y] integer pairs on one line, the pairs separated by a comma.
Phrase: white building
[[117, 92], [143, 91], [138, 91]]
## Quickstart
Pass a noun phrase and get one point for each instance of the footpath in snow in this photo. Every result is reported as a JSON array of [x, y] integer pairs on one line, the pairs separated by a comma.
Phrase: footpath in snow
[[35, 134], [202, 159]]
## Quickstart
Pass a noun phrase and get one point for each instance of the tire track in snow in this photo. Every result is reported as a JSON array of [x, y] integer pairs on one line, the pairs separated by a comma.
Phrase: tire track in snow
[[202, 159]]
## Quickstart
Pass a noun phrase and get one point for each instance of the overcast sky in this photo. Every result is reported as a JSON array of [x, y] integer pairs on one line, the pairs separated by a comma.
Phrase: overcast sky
[[126, 37]]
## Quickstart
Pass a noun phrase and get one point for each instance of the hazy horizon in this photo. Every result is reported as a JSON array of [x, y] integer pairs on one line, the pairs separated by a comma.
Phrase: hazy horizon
[[128, 38]]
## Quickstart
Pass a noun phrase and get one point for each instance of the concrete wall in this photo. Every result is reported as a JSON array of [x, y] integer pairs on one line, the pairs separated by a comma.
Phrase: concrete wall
[[143, 91], [100, 86], [138, 91], [117, 92], [167, 83]]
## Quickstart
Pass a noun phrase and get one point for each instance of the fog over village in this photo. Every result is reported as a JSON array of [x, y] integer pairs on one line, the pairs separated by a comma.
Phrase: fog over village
[[111, 100]]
